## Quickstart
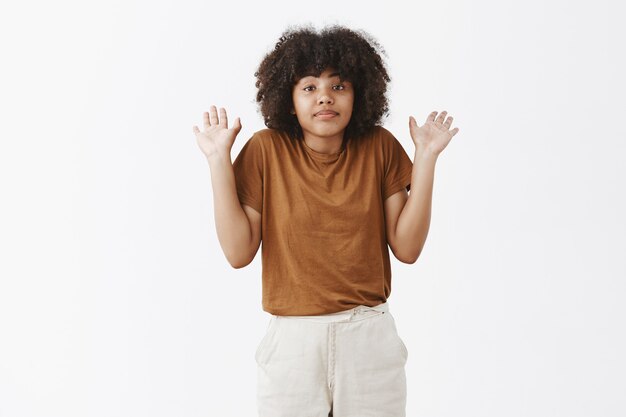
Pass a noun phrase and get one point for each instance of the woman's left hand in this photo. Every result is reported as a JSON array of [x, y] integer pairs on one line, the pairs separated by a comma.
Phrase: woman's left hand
[[434, 135]]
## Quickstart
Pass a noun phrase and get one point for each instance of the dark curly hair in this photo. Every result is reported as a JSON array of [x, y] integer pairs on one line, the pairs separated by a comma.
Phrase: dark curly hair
[[300, 52]]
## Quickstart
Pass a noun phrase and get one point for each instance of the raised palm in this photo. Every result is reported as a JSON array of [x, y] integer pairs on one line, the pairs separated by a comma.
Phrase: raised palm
[[435, 134], [216, 139]]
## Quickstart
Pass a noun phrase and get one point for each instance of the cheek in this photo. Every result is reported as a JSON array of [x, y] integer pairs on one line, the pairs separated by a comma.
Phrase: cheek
[[350, 105], [299, 103]]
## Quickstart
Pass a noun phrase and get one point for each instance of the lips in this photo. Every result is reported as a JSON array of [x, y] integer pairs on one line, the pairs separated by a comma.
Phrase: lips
[[326, 112]]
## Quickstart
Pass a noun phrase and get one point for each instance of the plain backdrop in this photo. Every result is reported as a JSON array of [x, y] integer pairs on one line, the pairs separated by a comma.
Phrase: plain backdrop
[[115, 296]]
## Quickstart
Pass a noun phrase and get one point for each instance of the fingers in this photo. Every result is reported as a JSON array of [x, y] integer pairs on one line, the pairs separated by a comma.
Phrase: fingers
[[440, 119], [223, 118], [211, 117], [237, 125], [213, 120], [438, 123]]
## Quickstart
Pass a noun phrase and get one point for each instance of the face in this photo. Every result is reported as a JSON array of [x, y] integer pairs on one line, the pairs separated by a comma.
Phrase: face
[[312, 95]]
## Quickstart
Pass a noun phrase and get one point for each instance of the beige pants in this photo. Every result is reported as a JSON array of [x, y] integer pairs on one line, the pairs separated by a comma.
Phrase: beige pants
[[345, 364]]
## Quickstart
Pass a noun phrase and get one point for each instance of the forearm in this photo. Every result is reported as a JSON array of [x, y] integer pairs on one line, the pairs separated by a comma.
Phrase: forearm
[[414, 220], [233, 227]]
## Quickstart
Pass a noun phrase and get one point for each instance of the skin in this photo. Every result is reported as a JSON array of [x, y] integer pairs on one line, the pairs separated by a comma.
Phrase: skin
[[407, 217], [326, 92], [238, 226]]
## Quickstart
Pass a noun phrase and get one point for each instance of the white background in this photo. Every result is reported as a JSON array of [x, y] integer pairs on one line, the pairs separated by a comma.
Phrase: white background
[[115, 296]]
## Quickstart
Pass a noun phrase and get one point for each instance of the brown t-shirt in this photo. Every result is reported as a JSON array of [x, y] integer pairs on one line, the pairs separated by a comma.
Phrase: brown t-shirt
[[324, 246]]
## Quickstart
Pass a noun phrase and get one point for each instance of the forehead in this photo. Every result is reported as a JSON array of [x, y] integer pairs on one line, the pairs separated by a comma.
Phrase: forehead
[[329, 73]]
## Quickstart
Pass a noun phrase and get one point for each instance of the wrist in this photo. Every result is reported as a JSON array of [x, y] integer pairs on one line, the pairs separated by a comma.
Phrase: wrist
[[218, 158], [423, 153]]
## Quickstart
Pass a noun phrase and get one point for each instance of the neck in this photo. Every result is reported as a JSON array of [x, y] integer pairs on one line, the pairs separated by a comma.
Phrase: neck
[[324, 145]]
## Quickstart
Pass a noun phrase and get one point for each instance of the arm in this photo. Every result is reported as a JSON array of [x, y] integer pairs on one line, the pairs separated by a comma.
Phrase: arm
[[238, 227], [407, 216]]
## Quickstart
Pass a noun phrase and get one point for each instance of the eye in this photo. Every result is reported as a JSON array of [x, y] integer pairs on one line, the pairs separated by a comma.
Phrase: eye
[[340, 87]]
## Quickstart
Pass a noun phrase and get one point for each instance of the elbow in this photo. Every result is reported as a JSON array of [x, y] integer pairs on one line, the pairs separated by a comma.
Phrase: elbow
[[239, 263], [240, 260], [409, 261], [412, 260], [407, 253], [239, 252], [236, 265], [408, 258]]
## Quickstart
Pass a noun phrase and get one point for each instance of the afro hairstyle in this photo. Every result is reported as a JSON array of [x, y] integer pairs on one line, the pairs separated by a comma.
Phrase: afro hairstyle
[[300, 52]]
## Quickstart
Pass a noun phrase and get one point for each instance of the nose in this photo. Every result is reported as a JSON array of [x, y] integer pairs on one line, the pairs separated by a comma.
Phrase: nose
[[325, 96], [325, 99]]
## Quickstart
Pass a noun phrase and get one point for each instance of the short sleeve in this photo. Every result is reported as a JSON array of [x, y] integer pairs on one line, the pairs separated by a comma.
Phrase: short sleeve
[[248, 169], [398, 167]]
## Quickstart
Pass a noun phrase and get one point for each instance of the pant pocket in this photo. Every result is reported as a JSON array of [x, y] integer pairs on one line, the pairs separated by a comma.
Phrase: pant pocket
[[405, 351], [399, 342], [265, 340]]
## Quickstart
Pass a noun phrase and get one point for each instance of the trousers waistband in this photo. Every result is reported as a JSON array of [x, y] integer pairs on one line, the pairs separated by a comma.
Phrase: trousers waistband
[[343, 315]]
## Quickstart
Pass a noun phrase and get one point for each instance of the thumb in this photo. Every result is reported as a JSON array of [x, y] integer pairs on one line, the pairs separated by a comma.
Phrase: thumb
[[237, 125], [412, 123]]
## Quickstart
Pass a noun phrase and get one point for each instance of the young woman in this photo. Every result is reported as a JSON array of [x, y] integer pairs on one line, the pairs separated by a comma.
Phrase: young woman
[[324, 187]]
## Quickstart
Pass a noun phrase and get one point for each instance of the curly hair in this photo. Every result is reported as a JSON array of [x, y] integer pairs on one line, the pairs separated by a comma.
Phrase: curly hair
[[300, 52]]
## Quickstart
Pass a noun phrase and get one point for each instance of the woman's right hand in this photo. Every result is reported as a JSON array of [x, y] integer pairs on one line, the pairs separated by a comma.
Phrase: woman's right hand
[[216, 139]]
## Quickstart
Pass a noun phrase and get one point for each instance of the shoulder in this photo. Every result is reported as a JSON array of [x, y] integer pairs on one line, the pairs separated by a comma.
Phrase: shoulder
[[383, 140], [260, 141], [267, 137], [379, 135], [385, 135], [265, 133]]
